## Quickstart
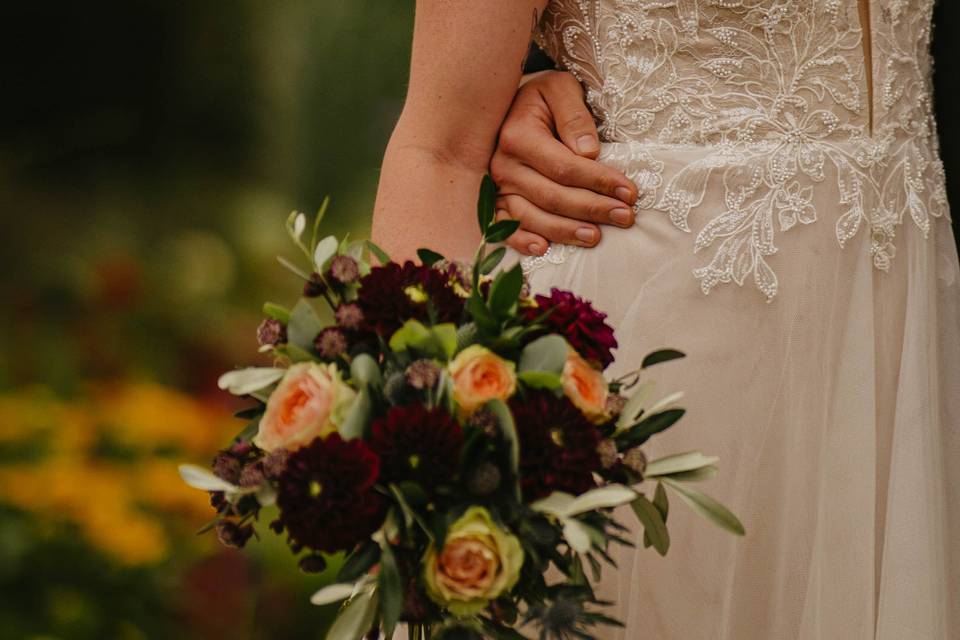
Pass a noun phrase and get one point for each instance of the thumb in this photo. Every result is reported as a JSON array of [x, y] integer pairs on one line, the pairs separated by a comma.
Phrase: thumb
[[575, 126]]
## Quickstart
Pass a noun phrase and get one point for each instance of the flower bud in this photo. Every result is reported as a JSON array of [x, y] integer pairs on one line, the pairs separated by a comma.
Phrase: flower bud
[[344, 269], [635, 460], [331, 343], [607, 450], [312, 564], [349, 316], [233, 535], [423, 374], [271, 332], [485, 479], [314, 287], [252, 475]]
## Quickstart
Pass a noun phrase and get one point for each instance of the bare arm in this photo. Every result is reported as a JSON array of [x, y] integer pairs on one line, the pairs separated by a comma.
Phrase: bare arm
[[464, 72]]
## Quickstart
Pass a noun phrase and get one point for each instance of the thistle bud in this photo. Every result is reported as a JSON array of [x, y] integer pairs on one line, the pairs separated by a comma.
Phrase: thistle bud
[[275, 463], [607, 450], [271, 332], [252, 475], [423, 374], [227, 467], [344, 269], [314, 287], [233, 535], [331, 343], [484, 479], [484, 418], [615, 404], [635, 460], [349, 316]]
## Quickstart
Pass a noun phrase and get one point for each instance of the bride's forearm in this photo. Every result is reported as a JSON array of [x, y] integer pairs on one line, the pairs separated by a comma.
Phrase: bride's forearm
[[427, 198]]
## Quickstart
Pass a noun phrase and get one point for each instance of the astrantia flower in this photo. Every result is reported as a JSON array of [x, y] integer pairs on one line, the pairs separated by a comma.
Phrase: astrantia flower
[[331, 343], [576, 320], [349, 316], [326, 496], [419, 444], [344, 269], [558, 445], [392, 294]]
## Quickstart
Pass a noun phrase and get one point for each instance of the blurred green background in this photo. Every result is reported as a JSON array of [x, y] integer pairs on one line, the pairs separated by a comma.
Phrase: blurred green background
[[149, 153]]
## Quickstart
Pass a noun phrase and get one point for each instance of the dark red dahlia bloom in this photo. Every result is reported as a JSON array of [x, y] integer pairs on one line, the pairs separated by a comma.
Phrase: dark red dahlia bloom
[[392, 294], [418, 444], [558, 445], [576, 320], [326, 496]]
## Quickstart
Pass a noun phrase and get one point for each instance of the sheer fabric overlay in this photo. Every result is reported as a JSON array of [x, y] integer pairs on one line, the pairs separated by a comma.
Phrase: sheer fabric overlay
[[828, 380]]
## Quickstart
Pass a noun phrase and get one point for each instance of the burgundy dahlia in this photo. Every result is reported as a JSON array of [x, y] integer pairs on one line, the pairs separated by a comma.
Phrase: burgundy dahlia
[[392, 294], [576, 320], [418, 444], [326, 496], [558, 445]]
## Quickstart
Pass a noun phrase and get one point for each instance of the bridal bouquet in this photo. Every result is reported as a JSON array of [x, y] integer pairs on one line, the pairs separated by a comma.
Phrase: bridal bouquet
[[454, 436]]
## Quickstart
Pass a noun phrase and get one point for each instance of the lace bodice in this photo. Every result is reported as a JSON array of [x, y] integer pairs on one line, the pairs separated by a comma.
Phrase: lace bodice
[[776, 95]]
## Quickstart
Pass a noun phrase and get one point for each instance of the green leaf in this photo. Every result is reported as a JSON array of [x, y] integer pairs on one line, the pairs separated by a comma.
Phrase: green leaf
[[277, 312], [540, 379], [505, 292], [317, 219], [382, 256], [653, 524], [664, 355], [492, 261], [331, 593], [326, 249], [548, 353], [648, 427], [439, 341], [679, 463], [304, 325], [429, 257], [356, 618], [364, 370], [707, 507], [508, 429], [391, 590], [697, 475], [359, 562], [635, 404], [486, 203], [500, 231], [661, 501], [481, 315], [358, 417]]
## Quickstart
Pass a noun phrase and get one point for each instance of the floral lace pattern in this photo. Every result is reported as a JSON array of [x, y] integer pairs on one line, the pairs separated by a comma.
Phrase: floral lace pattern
[[774, 95]]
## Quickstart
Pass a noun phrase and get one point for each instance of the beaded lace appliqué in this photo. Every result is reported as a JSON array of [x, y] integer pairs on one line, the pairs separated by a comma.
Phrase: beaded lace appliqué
[[773, 94]]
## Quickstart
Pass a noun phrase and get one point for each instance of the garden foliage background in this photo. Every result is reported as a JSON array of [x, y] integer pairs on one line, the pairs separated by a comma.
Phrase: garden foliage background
[[149, 153]]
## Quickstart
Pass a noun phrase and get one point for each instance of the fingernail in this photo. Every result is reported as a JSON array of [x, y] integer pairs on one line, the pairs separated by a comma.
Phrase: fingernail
[[586, 234], [534, 249], [624, 195], [622, 216], [587, 144]]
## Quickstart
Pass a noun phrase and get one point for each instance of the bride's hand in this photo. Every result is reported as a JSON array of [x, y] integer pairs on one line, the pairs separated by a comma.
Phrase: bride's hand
[[556, 188]]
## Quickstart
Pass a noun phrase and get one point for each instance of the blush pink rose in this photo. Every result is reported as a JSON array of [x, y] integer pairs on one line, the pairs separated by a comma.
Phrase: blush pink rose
[[309, 403], [480, 375], [586, 387]]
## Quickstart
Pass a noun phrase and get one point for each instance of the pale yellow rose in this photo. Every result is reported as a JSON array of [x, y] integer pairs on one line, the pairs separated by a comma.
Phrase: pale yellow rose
[[478, 563], [309, 403], [586, 387], [480, 375]]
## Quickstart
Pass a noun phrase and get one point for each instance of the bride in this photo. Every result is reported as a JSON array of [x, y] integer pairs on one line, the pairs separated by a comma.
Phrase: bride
[[784, 222]]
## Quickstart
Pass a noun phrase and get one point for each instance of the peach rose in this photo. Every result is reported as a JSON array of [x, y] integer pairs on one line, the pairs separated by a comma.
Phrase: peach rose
[[311, 400], [479, 562], [586, 387], [480, 375]]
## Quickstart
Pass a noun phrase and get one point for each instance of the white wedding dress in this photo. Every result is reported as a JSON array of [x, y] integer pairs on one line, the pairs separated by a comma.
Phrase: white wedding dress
[[793, 239]]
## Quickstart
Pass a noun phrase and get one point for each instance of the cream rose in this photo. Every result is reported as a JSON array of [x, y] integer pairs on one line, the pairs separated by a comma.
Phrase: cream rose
[[479, 562], [586, 387], [310, 402], [480, 375]]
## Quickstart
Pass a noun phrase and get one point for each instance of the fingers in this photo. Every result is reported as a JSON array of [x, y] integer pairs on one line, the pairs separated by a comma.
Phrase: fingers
[[575, 126], [536, 221], [549, 157], [569, 202], [525, 242]]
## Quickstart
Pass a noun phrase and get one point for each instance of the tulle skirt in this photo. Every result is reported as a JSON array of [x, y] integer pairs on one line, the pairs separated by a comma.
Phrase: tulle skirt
[[835, 411]]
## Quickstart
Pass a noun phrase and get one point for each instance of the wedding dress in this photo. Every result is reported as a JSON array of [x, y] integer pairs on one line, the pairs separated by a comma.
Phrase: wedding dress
[[793, 238]]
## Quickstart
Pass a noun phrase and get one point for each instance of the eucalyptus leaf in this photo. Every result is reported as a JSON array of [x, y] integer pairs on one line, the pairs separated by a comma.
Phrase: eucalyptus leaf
[[664, 355], [576, 535], [276, 312], [364, 370], [653, 525], [678, 463], [356, 618], [304, 325], [429, 257], [355, 423], [390, 587], [635, 405], [606, 497], [200, 478], [665, 402], [382, 256], [548, 353], [492, 261], [505, 292], [486, 203], [243, 382], [540, 379], [707, 507], [332, 593], [358, 563], [326, 249], [697, 475]]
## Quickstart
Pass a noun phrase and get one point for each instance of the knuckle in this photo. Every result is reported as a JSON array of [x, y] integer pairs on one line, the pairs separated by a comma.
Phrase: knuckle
[[596, 212], [550, 200], [576, 122]]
